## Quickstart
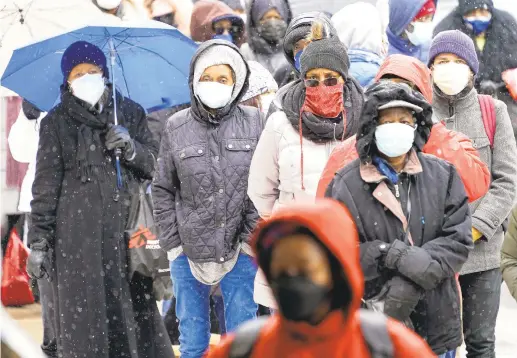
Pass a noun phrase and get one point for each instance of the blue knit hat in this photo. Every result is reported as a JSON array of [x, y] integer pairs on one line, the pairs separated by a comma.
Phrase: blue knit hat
[[455, 42], [82, 52]]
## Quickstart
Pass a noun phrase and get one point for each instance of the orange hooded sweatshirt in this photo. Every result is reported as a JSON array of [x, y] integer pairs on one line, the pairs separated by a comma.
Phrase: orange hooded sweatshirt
[[443, 143], [340, 334]]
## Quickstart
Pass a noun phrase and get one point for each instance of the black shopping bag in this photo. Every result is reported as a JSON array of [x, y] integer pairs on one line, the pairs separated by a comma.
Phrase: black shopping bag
[[145, 254]]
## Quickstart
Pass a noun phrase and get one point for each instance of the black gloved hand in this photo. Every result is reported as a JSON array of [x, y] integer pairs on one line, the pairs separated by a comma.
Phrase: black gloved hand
[[38, 263], [401, 299], [396, 250], [383, 249], [30, 111], [118, 137]]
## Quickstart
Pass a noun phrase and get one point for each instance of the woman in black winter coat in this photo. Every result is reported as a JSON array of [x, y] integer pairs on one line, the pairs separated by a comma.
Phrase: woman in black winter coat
[[79, 216], [393, 184]]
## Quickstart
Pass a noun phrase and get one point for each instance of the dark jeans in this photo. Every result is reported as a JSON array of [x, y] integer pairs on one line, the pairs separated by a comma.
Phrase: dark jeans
[[49, 345], [193, 302], [481, 293]]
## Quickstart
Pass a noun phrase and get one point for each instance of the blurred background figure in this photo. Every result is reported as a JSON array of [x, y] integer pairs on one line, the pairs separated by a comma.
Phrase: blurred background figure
[[310, 256], [23, 143], [239, 6], [267, 22], [176, 13], [359, 27], [262, 88], [213, 19], [132, 10], [494, 33], [410, 27]]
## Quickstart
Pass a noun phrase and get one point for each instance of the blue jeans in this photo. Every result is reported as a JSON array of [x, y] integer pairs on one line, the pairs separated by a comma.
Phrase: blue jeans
[[449, 354], [193, 302]]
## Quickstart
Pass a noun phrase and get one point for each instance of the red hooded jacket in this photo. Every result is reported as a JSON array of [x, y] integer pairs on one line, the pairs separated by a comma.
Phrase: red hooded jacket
[[443, 143], [340, 334]]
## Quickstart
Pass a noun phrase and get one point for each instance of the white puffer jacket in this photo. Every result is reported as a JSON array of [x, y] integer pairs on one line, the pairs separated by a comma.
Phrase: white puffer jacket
[[275, 177]]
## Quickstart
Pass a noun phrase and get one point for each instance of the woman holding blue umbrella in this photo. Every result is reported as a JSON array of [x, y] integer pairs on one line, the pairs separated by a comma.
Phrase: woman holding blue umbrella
[[79, 213]]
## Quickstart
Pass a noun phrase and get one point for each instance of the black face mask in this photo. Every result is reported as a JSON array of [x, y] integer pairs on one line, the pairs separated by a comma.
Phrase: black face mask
[[273, 30], [298, 297]]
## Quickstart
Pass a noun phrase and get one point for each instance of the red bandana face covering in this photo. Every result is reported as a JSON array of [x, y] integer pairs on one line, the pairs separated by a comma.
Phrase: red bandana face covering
[[324, 101]]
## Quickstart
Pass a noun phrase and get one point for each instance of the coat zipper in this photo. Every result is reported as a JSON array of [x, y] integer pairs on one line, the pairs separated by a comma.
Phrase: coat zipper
[[397, 192]]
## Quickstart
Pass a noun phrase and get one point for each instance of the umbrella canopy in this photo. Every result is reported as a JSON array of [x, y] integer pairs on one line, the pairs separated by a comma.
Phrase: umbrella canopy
[[25, 21], [151, 64]]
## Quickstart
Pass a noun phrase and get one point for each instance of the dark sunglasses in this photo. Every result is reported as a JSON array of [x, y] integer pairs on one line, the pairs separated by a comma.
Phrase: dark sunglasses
[[328, 82], [232, 30]]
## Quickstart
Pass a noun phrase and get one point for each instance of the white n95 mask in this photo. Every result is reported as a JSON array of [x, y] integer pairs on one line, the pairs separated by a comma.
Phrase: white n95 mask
[[394, 139], [451, 78], [89, 88], [422, 33], [214, 94]]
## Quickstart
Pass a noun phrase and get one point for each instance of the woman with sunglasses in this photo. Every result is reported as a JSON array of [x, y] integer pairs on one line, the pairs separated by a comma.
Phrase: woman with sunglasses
[[317, 113]]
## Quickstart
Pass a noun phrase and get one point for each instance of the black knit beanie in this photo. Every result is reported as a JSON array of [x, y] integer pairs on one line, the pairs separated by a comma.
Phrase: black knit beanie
[[325, 53]]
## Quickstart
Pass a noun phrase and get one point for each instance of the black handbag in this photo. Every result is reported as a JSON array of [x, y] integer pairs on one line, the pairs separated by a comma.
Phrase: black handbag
[[146, 257]]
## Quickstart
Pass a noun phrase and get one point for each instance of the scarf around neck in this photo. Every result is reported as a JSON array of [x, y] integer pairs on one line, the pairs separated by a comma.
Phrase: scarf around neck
[[92, 123]]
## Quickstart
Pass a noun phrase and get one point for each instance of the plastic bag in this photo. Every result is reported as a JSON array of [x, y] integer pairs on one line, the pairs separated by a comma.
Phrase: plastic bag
[[16, 290], [145, 254]]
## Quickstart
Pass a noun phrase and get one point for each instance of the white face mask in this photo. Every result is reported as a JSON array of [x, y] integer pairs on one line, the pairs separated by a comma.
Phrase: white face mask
[[422, 33], [394, 139], [214, 94], [108, 4], [451, 78], [89, 88]]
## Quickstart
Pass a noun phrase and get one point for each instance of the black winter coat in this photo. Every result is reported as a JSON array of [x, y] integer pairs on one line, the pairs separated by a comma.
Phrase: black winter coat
[[98, 311], [199, 191], [440, 227]]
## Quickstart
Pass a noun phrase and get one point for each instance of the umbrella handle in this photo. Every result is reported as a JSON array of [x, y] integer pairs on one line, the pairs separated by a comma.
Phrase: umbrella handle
[[118, 151]]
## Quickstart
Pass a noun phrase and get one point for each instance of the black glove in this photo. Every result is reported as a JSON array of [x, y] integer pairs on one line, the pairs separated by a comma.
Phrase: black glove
[[38, 263], [30, 111], [396, 250], [118, 137], [401, 299]]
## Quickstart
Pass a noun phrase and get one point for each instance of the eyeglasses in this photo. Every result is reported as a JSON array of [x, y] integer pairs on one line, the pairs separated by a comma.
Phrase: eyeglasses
[[232, 30], [328, 82]]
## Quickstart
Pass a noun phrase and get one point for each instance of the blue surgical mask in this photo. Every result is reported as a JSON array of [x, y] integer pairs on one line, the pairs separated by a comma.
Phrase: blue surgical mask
[[225, 37], [478, 24], [297, 62]]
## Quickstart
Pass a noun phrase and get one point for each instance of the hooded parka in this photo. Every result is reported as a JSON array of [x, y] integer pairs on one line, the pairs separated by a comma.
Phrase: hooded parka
[[199, 190], [419, 269], [205, 12], [443, 143], [340, 333], [498, 54], [78, 210], [269, 55]]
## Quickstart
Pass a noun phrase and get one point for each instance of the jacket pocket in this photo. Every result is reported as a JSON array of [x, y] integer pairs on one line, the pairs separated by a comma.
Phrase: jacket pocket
[[239, 151], [482, 145], [192, 160]]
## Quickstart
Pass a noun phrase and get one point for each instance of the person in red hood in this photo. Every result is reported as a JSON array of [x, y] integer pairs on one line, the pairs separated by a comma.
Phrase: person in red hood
[[310, 256], [212, 19], [443, 143]]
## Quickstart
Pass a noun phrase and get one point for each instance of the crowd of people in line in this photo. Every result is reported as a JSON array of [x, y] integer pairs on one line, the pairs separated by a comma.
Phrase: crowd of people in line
[[330, 171]]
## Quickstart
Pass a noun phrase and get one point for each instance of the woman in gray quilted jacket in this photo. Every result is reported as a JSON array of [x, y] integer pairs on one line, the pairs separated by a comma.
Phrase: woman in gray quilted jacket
[[200, 199]]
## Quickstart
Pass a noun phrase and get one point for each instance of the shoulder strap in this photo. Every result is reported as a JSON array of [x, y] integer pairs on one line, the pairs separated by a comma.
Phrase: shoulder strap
[[245, 338], [489, 117], [375, 333]]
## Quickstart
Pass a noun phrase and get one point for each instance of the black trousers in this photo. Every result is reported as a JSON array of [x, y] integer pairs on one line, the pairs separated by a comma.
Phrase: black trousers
[[481, 293]]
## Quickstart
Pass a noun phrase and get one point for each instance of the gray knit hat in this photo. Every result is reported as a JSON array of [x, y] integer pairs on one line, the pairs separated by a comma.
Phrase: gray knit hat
[[325, 53], [455, 42]]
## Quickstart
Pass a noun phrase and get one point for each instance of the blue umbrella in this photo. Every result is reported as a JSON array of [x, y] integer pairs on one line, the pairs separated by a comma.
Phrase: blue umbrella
[[151, 64]]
